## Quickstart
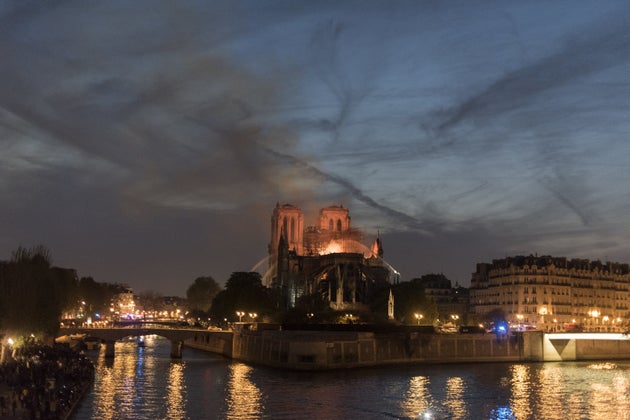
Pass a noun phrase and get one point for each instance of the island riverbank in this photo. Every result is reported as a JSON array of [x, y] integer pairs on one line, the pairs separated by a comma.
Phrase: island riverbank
[[329, 349]]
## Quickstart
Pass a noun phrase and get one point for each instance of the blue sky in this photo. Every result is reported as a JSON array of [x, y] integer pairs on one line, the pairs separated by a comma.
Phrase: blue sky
[[147, 142]]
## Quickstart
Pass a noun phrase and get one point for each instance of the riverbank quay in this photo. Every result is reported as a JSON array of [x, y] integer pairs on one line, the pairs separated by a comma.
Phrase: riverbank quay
[[43, 382], [340, 347]]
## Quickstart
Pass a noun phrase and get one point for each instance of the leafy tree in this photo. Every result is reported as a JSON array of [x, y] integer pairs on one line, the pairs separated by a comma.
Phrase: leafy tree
[[495, 316], [97, 296], [150, 301], [309, 309], [409, 298], [245, 292], [201, 293], [33, 293]]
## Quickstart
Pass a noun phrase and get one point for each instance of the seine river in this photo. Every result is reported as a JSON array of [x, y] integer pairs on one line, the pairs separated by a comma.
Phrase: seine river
[[143, 383]]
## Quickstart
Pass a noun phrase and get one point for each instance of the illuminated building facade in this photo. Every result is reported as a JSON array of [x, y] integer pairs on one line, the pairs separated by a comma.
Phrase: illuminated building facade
[[328, 259], [554, 293], [123, 305]]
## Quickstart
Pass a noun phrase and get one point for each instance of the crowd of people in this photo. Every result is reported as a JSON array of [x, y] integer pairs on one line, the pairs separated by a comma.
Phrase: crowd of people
[[43, 382]]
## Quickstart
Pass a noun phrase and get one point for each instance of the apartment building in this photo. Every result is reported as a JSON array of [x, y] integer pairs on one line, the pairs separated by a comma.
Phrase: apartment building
[[554, 293]]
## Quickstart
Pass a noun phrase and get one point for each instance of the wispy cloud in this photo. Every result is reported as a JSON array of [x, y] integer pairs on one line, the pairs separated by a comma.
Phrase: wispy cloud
[[469, 126]]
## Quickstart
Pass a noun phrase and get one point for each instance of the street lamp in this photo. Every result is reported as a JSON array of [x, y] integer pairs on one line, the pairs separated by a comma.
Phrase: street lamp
[[418, 317], [253, 315], [594, 314], [543, 312], [240, 315]]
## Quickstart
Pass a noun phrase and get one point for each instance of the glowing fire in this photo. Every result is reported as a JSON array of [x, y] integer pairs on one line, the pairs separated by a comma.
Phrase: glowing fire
[[335, 247]]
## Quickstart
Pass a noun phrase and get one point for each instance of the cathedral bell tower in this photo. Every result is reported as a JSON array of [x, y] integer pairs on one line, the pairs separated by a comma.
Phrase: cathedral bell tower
[[290, 220]]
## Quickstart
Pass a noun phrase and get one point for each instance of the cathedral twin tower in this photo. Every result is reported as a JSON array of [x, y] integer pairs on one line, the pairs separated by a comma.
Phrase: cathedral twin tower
[[289, 220], [328, 259]]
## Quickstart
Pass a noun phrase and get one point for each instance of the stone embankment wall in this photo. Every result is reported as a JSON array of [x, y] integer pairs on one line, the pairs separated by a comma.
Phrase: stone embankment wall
[[315, 350], [331, 350], [219, 342], [310, 350], [598, 349]]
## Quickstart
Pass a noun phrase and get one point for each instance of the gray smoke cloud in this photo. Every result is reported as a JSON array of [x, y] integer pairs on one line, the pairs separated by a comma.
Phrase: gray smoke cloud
[[168, 131]]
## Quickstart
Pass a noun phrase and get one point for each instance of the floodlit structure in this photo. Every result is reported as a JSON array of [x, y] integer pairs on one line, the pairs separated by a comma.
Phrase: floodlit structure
[[554, 293], [328, 259], [123, 305]]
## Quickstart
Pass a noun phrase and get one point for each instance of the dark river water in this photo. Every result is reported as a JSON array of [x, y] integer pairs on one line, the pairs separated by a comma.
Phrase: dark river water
[[144, 383]]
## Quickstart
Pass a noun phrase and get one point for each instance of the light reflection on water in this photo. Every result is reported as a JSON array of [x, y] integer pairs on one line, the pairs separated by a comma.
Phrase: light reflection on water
[[520, 382], [244, 398], [133, 384], [143, 383], [455, 398], [176, 392], [417, 398]]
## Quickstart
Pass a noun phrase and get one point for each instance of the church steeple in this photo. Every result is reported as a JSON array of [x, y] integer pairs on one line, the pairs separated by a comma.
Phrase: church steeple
[[377, 247]]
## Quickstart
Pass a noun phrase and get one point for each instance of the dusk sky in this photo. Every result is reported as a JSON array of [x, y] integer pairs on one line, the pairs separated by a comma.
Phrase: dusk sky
[[147, 142]]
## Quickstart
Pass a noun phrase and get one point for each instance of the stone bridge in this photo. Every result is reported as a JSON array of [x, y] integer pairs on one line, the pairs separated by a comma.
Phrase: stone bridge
[[109, 336]]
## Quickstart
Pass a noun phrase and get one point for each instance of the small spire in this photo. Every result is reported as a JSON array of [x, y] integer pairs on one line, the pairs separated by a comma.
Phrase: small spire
[[377, 247]]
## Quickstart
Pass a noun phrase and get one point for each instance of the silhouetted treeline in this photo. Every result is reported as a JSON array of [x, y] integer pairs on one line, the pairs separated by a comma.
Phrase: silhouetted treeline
[[34, 293]]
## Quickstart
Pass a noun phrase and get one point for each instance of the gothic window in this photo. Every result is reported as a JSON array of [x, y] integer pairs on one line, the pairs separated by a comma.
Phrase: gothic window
[[284, 225], [330, 224], [292, 229], [339, 225]]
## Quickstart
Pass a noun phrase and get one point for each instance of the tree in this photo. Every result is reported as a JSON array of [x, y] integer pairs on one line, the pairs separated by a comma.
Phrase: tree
[[309, 309], [150, 301], [409, 299], [201, 293], [97, 296], [495, 316], [34, 293], [245, 292]]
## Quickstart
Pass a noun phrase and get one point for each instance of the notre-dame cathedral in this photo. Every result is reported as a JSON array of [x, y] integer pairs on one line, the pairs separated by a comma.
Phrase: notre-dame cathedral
[[328, 259]]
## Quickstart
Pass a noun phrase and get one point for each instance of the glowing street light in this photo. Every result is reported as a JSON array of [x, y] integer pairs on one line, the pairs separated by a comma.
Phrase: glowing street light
[[240, 315], [542, 312], [594, 314], [418, 317], [253, 315]]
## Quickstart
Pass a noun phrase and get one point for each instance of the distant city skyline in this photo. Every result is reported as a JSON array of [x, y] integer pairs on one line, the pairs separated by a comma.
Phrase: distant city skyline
[[146, 143]]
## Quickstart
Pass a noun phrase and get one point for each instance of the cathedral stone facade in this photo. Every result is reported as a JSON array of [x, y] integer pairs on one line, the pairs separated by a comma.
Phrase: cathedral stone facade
[[328, 259]]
